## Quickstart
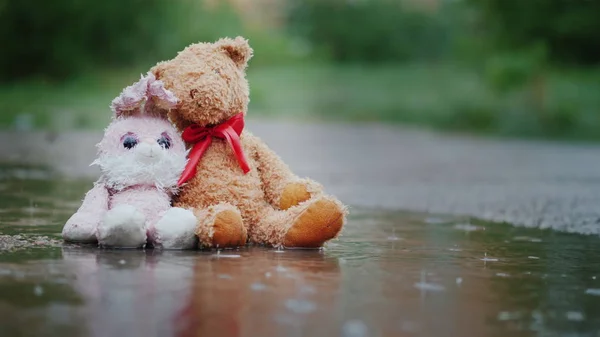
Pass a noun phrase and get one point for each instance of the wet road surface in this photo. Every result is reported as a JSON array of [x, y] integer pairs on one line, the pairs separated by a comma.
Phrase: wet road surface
[[390, 274], [534, 184]]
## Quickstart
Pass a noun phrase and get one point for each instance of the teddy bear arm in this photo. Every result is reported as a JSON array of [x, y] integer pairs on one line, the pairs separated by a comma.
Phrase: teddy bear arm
[[283, 189], [81, 226]]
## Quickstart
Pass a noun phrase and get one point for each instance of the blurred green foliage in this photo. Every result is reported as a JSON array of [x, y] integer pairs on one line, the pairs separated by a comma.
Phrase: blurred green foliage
[[370, 31], [65, 37], [509, 67], [62, 38], [444, 96], [568, 29], [507, 71]]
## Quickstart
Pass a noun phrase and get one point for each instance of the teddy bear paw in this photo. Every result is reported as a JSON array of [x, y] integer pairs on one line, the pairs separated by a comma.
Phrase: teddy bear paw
[[293, 194], [228, 230], [320, 222], [175, 230]]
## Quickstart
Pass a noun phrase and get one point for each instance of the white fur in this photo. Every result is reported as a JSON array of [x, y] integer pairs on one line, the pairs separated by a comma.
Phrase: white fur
[[175, 230], [131, 175], [80, 228], [123, 227], [145, 166]]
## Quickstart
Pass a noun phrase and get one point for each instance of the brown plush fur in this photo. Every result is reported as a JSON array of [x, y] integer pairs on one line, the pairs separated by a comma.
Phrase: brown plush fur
[[268, 205]]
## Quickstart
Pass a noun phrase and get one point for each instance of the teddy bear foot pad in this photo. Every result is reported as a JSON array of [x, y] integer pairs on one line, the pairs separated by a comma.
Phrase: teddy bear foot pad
[[320, 222]]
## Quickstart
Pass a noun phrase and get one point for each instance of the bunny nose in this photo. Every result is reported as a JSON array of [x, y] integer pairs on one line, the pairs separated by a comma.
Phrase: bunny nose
[[148, 150]]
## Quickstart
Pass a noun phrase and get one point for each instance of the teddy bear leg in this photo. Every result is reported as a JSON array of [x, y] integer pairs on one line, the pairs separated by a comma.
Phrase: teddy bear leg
[[307, 225], [220, 226], [297, 192], [320, 220]]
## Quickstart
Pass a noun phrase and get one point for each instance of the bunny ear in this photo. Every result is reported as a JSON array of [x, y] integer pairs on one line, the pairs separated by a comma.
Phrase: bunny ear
[[131, 98], [161, 97], [147, 90]]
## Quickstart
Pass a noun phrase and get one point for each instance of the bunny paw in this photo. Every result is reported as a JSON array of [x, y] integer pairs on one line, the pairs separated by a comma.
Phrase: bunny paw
[[123, 227], [175, 230]]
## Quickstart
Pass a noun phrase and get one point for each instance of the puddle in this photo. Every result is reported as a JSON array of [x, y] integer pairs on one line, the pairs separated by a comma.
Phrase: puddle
[[390, 274]]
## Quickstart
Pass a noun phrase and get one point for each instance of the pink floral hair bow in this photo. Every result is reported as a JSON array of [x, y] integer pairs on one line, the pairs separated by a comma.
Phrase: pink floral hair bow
[[149, 92]]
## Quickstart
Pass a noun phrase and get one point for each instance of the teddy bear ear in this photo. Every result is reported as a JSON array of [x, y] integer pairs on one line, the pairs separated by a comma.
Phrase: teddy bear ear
[[158, 69], [237, 49]]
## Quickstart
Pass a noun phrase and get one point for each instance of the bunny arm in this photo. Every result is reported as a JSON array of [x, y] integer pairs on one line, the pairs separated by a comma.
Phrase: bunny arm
[[82, 225], [282, 188]]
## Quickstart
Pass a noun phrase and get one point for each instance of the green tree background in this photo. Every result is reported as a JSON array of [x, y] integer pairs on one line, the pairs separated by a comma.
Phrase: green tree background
[[508, 67]]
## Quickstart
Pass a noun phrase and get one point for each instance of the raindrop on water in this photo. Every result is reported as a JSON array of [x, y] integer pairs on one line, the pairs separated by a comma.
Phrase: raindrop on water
[[218, 255], [506, 316], [355, 328], [393, 237], [258, 286], [308, 289], [574, 316], [409, 326], [486, 259], [593, 291], [38, 290], [300, 306], [423, 285], [466, 227], [434, 220]]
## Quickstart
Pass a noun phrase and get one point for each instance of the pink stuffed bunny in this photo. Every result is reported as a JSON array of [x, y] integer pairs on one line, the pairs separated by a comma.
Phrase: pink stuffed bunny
[[141, 158]]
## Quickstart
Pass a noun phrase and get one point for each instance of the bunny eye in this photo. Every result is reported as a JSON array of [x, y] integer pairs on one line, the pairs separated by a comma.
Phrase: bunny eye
[[129, 141], [164, 141]]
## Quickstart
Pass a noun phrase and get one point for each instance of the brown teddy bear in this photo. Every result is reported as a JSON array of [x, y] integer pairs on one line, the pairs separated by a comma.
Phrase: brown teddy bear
[[237, 187]]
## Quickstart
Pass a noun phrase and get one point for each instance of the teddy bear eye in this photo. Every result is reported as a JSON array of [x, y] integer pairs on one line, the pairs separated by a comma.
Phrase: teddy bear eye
[[129, 141], [164, 141]]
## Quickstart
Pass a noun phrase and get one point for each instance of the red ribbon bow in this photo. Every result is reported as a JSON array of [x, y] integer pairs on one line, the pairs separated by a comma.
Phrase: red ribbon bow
[[201, 137]]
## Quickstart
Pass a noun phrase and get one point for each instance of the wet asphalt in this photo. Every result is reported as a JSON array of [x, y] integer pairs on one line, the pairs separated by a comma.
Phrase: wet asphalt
[[525, 183], [391, 273]]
